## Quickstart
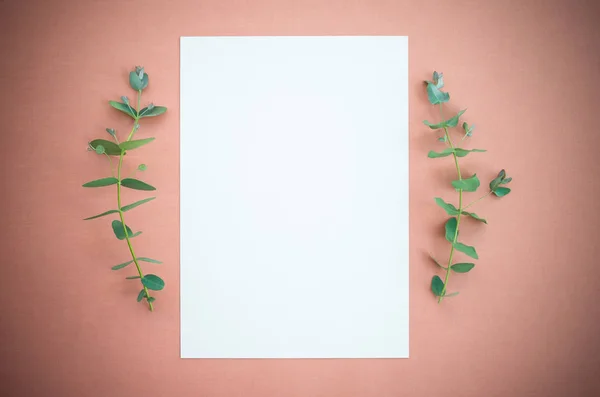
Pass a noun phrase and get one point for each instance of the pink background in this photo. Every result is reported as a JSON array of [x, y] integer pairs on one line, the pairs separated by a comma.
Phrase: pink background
[[525, 323]]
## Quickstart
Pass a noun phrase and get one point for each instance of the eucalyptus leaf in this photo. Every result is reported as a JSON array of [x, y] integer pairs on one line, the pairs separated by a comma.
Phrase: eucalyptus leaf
[[110, 148], [100, 149], [151, 299], [129, 145], [136, 184], [501, 191], [117, 227], [123, 107], [155, 111], [466, 249], [122, 265], [468, 185], [149, 260], [111, 132], [435, 95], [450, 295], [462, 267], [444, 153], [436, 261], [453, 122], [505, 181], [136, 82], [133, 205], [437, 285], [450, 227], [460, 152], [449, 208], [153, 282], [141, 295], [101, 182], [102, 214], [474, 216]]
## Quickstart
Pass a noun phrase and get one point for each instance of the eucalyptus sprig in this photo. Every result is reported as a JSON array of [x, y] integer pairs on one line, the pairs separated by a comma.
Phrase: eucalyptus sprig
[[462, 184], [138, 80]]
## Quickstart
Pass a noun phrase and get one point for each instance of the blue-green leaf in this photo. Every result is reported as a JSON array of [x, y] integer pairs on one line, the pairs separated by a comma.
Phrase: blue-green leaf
[[449, 208], [453, 122], [150, 260], [451, 229], [117, 227], [462, 267], [110, 148], [133, 205], [444, 153], [474, 216], [501, 191], [437, 285], [153, 282], [101, 182], [102, 214], [136, 184], [141, 295], [450, 295], [152, 112], [123, 107], [129, 145], [468, 185], [435, 95], [436, 261], [463, 152], [466, 249], [151, 299], [122, 265], [136, 82]]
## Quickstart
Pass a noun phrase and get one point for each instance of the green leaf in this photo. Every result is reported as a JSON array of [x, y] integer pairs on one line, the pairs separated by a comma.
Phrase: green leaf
[[102, 214], [436, 262], [122, 265], [437, 285], [101, 182], [466, 249], [505, 181], [123, 107], [110, 148], [453, 122], [153, 112], [117, 227], [449, 208], [132, 277], [435, 95], [468, 185], [153, 282], [129, 145], [496, 181], [474, 216], [150, 260], [133, 205], [463, 152], [501, 191], [100, 149], [141, 295], [142, 167], [451, 229], [151, 299], [451, 294], [435, 126], [438, 79], [462, 267], [444, 153], [111, 132], [136, 184], [136, 82]]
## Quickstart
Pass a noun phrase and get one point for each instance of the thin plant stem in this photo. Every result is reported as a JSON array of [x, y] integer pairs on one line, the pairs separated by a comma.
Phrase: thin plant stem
[[121, 213], [460, 209], [480, 198]]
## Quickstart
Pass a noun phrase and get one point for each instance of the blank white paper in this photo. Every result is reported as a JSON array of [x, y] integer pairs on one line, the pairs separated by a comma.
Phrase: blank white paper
[[294, 197]]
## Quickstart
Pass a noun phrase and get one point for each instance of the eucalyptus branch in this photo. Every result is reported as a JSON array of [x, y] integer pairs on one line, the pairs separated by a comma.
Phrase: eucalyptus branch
[[138, 80], [452, 227]]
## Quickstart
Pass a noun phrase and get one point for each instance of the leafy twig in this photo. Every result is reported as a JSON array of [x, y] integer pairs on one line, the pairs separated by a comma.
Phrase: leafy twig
[[138, 80], [437, 97]]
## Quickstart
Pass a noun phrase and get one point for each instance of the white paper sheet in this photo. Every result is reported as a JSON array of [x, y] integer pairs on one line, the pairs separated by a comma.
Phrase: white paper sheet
[[294, 197]]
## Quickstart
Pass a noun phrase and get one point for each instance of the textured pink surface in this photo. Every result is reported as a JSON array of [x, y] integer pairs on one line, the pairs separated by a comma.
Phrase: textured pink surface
[[525, 323]]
